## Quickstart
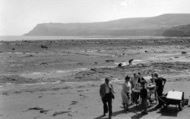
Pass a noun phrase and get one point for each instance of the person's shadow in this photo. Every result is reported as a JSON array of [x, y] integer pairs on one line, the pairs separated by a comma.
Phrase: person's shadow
[[134, 108], [138, 116], [114, 114], [137, 110], [101, 117]]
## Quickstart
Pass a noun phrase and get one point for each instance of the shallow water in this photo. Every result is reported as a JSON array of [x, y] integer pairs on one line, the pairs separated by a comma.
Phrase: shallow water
[[17, 38]]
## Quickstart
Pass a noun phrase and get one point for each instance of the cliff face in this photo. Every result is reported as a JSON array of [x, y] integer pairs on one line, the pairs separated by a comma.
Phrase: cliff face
[[182, 30], [122, 27]]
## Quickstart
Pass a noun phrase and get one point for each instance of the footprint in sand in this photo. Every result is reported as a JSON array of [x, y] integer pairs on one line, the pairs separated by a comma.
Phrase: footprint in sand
[[74, 102], [38, 109], [80, 90], [40, 96], [60, 113], [82, 96]]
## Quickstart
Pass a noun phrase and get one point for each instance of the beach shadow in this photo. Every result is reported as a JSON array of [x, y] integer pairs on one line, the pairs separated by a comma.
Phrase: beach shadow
[[169, 111], [135, 108], [132, 108], [113, 114], [137, 116], [118, 112], [153, 108], [101, 117]]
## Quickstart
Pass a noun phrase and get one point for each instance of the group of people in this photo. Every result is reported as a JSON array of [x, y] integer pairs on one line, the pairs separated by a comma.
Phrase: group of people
[[135, 90]]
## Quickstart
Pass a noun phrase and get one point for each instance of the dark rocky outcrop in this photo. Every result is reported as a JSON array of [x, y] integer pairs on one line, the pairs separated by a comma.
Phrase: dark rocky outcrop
[[182, 30]]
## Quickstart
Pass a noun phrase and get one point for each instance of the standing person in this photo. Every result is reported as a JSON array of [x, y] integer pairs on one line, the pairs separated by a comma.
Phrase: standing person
[[160, 82], [141, 79], [153, 88], [135, 89], [144, 97], [106, 93], [152, 78], [134, 80], [126, 93]]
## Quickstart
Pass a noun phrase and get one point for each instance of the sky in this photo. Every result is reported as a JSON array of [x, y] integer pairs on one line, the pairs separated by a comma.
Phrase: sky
[[18, 17]]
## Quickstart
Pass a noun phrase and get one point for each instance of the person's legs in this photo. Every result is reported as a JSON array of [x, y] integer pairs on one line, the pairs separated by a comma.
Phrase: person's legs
[[128, 101], [151, 94], [155, 95], [105, 107], [110, 107], [144, 105], [132, 97], [159, 95], [137, 97]]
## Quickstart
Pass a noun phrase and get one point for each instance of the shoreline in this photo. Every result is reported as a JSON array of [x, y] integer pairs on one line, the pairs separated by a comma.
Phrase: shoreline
[[62, 38]]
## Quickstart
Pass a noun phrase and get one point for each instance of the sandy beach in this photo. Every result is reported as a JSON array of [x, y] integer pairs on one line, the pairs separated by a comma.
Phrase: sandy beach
[[60, 79]]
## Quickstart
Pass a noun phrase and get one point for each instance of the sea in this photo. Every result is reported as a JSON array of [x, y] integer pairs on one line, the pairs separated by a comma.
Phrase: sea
[[28, 38]]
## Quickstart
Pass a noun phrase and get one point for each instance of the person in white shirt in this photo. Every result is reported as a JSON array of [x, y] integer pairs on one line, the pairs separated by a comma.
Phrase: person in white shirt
[[126, 93]]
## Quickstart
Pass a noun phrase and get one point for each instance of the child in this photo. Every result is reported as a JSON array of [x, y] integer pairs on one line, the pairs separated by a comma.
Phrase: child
[[144, 97]]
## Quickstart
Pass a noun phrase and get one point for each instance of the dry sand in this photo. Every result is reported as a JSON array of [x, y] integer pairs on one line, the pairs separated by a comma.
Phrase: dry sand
[[61, 80], [76, 101]]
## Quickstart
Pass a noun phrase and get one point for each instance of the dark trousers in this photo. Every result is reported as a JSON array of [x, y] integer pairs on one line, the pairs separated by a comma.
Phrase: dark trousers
[[159, 94], [135, 97], [107, 104], [144, 104]]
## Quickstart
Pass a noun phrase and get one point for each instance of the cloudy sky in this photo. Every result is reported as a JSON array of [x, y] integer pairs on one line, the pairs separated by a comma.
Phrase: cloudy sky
[[20, 16]]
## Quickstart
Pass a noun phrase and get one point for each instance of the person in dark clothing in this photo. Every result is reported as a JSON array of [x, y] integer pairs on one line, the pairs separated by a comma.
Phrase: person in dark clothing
[[135, 88], [106, 93], [141, 80], [160, 82], [144, 98], [130, 61], [152, 78]]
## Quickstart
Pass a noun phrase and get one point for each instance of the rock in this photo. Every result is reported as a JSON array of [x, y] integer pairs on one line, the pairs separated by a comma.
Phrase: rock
[[122, 64], [183, 52], [44, 47], [109, 60]]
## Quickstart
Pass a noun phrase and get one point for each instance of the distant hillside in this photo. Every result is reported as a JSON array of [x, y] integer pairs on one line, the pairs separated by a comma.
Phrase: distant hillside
[[148, 26], [182, 30]]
